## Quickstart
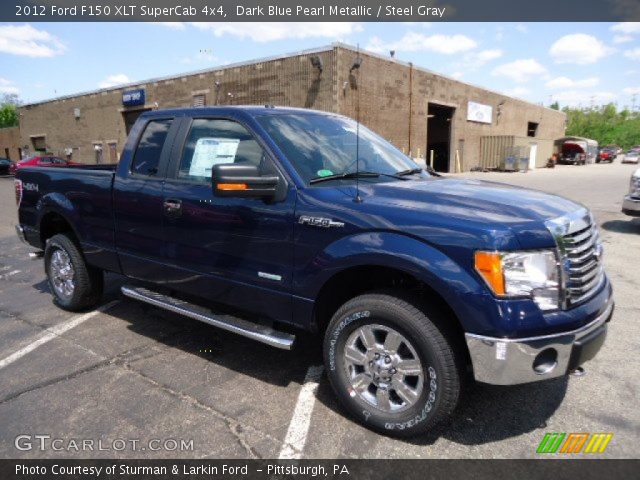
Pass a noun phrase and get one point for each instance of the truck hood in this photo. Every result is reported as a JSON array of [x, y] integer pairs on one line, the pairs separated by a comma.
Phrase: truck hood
[[470, 198], [473, 204]]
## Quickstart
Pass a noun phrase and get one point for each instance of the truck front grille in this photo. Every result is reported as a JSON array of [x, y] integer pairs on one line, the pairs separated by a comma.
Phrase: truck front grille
[[580, 249]]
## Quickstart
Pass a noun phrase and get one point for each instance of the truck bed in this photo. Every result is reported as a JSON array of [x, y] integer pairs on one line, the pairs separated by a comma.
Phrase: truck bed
[[82, 194]]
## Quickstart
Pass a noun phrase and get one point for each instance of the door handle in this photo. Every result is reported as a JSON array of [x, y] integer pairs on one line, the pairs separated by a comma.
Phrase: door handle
[[172, 207]]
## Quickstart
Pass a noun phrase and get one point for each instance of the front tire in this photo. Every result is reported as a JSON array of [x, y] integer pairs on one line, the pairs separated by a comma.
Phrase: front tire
[[390, 365], [74, 284]]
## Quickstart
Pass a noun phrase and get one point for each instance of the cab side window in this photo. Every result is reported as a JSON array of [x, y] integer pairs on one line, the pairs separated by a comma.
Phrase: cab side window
[[147, 156], [211, 142]]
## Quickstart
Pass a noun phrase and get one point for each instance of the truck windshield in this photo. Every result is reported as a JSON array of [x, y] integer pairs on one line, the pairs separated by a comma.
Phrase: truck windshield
[[322, 146]]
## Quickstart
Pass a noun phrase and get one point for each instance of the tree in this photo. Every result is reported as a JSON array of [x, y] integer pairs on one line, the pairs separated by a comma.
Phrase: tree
[[555, 106], [605, 124], [9, 111], [11, 99]]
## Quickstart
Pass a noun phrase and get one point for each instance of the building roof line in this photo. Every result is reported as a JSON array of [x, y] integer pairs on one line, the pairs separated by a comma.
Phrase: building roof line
[[321, 49], [271, 58], [426, 70]]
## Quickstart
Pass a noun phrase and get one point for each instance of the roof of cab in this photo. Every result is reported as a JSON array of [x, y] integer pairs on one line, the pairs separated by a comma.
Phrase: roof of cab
[[251, 110]]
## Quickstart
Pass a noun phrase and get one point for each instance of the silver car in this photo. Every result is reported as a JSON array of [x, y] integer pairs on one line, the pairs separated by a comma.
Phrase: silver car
[[632, 156], [631, 203]]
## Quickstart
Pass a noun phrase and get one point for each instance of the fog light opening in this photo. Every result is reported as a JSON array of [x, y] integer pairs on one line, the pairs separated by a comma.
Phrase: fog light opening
[[545, 361]]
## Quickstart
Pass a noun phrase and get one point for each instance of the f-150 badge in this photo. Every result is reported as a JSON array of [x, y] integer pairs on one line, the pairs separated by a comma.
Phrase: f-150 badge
[[318, 221]]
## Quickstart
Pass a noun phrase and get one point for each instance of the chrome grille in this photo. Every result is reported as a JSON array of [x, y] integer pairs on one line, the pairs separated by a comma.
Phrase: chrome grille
[[581, 253]]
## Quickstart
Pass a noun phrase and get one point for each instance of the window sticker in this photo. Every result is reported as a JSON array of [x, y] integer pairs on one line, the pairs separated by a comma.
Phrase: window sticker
[[212, 151], [324, 173]]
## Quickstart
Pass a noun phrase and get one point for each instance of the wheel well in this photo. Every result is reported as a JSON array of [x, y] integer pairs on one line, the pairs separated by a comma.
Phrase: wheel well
[[52, 224], [359, 280]]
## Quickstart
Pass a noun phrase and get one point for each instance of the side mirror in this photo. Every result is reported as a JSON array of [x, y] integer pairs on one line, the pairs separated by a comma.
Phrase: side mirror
[[242, 181]]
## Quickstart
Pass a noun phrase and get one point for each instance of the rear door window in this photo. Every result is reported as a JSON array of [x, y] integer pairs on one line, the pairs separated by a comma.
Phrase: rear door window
[[147, 156]]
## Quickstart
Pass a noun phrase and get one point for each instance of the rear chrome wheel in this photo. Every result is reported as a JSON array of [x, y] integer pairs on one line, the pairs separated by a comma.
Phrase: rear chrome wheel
[[74, 284], [62, 273]]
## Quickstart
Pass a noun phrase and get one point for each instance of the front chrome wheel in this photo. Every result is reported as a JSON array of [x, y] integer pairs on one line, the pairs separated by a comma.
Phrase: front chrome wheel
[[383, 368], [62, 273]]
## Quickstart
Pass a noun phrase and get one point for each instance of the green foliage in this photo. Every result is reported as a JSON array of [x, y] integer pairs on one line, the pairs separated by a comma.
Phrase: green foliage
[[8, 110], [555, 106], [8, 116], [605, 124]]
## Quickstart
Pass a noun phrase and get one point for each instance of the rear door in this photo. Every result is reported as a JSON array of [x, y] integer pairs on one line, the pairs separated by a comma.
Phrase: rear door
[[234, 251], [137, 198]]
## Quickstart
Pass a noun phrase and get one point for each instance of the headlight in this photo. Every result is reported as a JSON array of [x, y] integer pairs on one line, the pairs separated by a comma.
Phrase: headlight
[[522, 274], [634, 186]]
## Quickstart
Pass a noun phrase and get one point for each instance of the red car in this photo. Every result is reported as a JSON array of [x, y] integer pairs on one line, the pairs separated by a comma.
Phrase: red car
[[41, 161]]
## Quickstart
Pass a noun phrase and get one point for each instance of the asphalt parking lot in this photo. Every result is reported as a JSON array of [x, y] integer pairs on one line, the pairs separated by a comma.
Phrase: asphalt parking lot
[[135, 372]]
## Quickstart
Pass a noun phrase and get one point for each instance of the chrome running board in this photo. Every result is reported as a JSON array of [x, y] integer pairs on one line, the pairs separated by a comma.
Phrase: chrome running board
[[254, 331]]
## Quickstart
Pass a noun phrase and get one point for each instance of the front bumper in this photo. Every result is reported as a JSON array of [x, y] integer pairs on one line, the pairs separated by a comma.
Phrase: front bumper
[[20, 233], [506, 361], [631, 206]]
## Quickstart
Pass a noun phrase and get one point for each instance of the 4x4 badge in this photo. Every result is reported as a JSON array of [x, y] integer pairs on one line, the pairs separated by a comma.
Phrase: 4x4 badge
[[318, 221]]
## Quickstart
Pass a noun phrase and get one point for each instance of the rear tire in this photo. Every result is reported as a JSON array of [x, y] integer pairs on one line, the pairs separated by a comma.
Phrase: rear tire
[[390, 365], [74, 284]]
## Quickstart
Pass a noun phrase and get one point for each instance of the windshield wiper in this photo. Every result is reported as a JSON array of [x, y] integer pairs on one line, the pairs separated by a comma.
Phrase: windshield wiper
[[347, 175], [411, 171]]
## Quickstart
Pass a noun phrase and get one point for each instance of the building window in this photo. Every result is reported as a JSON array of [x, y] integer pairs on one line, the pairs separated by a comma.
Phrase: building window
[[39, 143], [532, 129], [199, 100], [113, 152]]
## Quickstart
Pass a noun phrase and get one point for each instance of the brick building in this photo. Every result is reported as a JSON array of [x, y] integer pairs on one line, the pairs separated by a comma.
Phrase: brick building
[[10, 143], [430, 116]]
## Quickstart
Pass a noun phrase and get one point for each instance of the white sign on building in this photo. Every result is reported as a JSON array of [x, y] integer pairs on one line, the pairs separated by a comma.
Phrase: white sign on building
[[477, 112]]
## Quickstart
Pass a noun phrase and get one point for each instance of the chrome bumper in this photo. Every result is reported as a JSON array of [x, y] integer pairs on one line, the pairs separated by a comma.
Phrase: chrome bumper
[[505, 361], [631, 206], [20, 233]]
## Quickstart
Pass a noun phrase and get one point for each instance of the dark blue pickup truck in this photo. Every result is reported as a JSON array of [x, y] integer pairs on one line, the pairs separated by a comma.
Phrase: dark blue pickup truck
[[263, 221]]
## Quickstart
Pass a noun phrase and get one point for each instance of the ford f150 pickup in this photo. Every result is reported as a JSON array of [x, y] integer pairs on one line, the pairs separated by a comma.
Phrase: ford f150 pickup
[[264, 221]]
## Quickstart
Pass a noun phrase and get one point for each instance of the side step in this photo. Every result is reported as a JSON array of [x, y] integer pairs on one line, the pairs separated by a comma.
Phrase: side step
[[261, 333]]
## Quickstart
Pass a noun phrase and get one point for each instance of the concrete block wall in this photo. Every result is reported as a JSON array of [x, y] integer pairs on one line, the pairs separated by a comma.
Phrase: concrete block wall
[[287, 81], [388, 106], [394, 102], [10, 143]]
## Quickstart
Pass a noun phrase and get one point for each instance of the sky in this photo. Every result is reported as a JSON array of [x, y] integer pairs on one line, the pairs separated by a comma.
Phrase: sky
[[576, 64]]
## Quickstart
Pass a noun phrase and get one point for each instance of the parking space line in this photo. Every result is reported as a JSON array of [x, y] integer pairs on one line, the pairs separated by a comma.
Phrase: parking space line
[[296, 437], [53, 332], [13, 272]]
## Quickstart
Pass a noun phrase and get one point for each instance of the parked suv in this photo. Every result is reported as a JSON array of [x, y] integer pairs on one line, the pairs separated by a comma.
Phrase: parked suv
[[606, 155]]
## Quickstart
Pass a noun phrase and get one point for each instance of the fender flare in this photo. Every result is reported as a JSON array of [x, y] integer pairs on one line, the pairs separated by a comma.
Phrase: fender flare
[[401, 252], [56, 203]]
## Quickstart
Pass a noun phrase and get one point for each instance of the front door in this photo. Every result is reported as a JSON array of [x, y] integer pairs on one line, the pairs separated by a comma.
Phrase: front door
[[233, 251]]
